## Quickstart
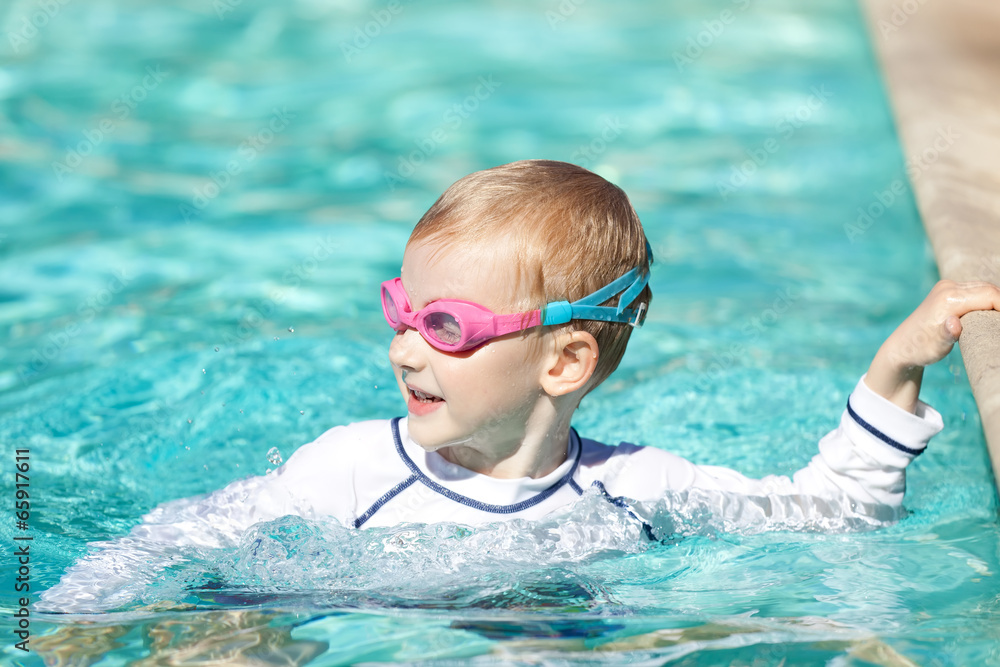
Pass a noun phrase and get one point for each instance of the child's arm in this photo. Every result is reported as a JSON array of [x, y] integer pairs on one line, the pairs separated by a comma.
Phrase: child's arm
[[860, 468], [924, 338]]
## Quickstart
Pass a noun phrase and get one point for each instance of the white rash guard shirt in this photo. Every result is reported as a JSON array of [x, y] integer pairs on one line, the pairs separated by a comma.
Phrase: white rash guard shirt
[[371, 474]]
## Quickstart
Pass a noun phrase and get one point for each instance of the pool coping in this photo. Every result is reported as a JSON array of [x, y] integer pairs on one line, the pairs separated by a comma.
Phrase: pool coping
[[938, 59]]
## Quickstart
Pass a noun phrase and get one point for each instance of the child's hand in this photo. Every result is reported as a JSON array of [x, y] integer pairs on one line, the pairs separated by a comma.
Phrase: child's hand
[[925, 337]]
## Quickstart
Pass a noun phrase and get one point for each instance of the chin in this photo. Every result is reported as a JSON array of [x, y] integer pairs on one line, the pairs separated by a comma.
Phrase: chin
[[422, 433], [432, 439]]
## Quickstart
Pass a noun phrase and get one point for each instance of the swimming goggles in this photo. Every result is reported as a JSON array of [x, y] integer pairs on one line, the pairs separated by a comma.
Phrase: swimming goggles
[[452, 325]]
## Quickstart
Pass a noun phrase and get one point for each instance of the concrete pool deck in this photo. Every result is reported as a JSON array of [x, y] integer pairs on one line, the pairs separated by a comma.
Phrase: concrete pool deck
[[941, 62]]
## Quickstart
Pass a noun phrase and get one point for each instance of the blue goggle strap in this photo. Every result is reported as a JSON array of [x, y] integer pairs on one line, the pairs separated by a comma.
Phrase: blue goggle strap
[[560, 312]]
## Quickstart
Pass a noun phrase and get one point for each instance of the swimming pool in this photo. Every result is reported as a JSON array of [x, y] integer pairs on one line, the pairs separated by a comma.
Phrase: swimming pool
[[198, 204]]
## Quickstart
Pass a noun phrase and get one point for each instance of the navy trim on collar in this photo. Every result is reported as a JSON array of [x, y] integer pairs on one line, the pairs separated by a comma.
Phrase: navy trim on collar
[[377, 505], [485, 507]]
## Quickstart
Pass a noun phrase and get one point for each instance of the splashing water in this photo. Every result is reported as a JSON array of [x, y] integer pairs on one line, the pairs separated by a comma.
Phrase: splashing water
[[519, 563], [274, 457], [551, 563]]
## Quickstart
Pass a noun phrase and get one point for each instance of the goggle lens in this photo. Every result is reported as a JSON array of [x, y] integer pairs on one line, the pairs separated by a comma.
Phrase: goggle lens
[[390, 307], [444, 327]]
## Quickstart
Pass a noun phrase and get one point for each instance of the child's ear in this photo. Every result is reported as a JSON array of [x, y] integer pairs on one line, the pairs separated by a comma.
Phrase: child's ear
[[573, 361]]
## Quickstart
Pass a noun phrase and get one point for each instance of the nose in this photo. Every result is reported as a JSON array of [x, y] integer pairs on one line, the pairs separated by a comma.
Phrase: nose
[[406, 350]]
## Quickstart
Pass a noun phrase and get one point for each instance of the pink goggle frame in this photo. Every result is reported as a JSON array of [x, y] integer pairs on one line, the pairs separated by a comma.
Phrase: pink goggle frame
[[451, 325]]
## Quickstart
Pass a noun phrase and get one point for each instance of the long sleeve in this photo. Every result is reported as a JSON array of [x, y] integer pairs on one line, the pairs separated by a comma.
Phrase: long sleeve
[[857, 476]]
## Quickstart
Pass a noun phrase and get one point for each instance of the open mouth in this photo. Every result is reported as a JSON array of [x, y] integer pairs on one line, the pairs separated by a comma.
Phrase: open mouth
[[420, 403], [424, 397]]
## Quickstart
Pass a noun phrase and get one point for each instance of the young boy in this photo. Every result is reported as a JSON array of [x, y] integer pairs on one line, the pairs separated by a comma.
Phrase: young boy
[[518, 292]]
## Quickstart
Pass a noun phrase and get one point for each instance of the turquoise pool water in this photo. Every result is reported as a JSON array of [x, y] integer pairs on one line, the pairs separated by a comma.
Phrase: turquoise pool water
[[198, 202]]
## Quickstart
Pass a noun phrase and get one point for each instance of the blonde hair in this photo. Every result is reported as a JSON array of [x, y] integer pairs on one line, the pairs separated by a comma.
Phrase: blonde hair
[[568, 231]]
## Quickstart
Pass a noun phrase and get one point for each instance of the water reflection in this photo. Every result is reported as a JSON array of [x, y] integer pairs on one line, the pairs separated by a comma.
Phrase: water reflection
[[230, 637]]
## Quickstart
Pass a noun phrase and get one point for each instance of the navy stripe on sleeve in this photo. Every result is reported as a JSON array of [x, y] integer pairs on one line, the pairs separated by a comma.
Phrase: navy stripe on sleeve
[[880, 435]]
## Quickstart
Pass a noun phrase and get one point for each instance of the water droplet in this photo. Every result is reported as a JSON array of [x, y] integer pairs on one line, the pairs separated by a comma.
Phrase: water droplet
[[302, 412], [275, 338], [291, 330], [216, 349], [241, 412], [274, 456], [189, 421], [203, 371]]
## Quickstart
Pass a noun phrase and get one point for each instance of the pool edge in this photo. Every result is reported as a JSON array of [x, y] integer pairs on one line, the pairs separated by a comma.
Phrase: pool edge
[[935, 59]]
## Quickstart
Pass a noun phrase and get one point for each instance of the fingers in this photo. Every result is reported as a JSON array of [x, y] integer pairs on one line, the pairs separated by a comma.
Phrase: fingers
[[962, 298]]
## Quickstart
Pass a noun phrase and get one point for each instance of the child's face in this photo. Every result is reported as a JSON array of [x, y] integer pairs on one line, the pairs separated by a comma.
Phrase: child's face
[[482, 398]]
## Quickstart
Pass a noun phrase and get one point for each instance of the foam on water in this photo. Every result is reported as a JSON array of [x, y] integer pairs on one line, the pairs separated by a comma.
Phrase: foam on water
[[458, 565]]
